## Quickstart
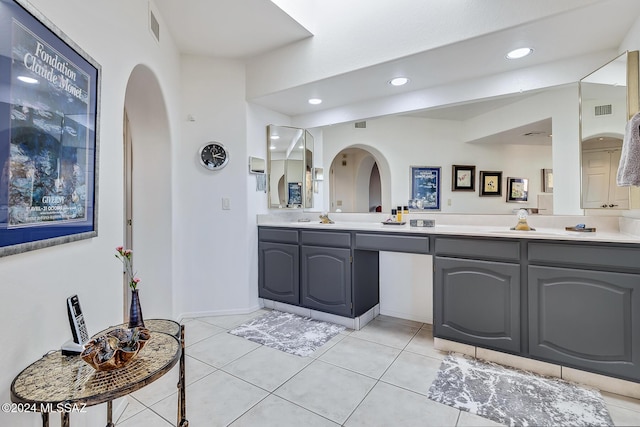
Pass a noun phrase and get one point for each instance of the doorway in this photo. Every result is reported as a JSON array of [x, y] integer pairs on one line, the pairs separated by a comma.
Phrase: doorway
[[355, 182], [147, 198]]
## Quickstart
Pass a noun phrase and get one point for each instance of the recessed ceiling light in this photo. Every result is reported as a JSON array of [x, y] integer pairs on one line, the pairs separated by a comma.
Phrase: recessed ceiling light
[[519, 53], [273, 147], [398, 81], [275, 136], [26, 79], [315, 101]]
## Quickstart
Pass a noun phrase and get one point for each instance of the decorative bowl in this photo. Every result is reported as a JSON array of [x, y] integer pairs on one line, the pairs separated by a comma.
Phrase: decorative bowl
[[115, 349]]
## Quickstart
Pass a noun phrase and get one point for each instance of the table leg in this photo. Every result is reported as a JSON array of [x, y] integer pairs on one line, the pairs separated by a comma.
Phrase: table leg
[[45, 419], [182, 398], [64, 419], [110, 414]]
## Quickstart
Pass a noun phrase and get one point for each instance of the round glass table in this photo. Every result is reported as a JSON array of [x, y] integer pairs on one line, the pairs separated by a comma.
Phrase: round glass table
[[65, 384]]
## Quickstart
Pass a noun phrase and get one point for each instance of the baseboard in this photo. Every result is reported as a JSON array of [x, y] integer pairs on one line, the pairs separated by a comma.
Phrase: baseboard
[[229, 312]]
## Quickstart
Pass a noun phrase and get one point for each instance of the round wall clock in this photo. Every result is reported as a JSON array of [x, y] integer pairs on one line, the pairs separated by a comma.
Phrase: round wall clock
[[213, 156]]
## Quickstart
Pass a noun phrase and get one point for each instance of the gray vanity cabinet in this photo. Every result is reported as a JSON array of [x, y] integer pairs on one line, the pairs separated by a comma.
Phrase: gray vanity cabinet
[[279, 266], [326, 272], [584, 318], [477, 301]]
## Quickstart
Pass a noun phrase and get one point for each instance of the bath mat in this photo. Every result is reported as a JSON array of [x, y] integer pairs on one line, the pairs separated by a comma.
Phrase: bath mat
[[288, 332], [514, 397]]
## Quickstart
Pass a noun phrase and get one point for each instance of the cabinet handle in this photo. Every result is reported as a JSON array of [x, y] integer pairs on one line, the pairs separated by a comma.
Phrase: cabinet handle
[[612, 206], [603, 206]]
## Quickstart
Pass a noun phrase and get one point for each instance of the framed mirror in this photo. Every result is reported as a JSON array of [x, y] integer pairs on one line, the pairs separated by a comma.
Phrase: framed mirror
[[289, 167], [608, 98]]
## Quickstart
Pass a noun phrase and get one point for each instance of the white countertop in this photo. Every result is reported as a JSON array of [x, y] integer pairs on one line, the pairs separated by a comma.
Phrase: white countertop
[[549, 229]]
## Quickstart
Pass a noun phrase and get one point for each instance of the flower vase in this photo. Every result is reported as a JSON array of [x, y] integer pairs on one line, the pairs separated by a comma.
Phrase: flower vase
[[135, 312]]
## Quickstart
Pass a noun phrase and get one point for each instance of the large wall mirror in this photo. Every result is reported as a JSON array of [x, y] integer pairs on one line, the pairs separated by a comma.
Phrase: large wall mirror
[[608, 98], [289, 167]]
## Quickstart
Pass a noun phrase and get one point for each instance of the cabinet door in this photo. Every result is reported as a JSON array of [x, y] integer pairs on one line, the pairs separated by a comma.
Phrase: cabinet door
[[586, 319], [478, 302], [279, 272], [326, 279]]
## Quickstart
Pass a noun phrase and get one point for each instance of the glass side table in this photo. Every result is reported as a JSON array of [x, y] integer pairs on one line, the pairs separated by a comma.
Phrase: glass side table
[[58, 383]]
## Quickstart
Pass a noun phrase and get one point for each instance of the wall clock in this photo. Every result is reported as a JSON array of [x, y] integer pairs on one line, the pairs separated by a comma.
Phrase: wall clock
[[214, 156]]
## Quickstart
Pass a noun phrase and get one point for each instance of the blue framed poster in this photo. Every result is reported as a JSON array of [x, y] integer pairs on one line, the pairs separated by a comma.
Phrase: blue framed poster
[[49, 102], [295, 194], [425, 188]]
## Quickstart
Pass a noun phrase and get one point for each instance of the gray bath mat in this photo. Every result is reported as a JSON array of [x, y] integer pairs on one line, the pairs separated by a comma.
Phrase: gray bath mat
[[288, 332], [514, 397]]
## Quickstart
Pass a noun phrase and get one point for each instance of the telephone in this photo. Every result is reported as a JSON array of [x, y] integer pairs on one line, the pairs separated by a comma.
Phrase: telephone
[[78, 327]]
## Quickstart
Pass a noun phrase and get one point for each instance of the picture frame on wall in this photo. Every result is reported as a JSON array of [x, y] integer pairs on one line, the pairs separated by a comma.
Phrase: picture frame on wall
[[547, 180], [517, 189], [463, 178], [425, 188], [49, 135], [490, 183]]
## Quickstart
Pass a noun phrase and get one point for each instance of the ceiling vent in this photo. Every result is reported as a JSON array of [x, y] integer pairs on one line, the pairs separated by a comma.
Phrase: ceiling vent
[[154, 26], [361, 125], [603, 110]]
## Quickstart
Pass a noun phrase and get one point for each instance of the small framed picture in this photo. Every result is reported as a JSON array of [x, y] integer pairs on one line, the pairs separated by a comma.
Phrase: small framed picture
[[491, 183], [517, 189], [547, 180], [464, 178]]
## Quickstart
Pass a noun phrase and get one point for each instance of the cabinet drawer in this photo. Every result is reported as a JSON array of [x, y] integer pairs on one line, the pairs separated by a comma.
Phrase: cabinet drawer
[[479, 248], [326, 238], [602, 257], [281, 235], [393, 243]]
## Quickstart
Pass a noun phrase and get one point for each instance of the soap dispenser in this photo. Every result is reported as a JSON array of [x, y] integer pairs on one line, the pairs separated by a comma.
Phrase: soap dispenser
[[522, 221]]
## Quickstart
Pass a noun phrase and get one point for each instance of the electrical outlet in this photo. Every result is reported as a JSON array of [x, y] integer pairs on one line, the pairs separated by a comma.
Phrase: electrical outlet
[[226, 203], [448, 202]]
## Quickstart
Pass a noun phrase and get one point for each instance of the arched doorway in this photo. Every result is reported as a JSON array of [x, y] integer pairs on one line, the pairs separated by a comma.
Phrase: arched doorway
[[355, 181], [147, 189]]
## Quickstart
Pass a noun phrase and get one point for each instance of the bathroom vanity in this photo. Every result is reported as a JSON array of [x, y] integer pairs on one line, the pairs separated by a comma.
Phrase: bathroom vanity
[[571, 299]]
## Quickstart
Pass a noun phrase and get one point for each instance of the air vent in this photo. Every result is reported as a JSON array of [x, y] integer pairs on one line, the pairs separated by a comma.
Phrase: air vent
[[361, 125], [154, 26], [603, 110]]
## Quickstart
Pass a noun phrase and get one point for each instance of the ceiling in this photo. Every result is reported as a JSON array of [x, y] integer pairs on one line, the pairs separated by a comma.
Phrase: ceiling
[[246, 29]]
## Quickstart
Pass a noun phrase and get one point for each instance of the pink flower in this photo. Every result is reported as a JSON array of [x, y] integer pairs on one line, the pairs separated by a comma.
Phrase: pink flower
[[126, 256]]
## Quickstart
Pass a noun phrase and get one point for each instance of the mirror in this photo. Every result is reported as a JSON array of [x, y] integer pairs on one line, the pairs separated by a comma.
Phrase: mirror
[[289, 167], [608, 98]]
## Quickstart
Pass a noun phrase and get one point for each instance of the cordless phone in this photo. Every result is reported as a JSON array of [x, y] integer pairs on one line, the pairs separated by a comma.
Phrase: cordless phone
[[78, 327]]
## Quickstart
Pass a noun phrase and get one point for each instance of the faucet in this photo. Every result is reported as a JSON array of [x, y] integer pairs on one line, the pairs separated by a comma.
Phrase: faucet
[[522, 221], [324, 219]]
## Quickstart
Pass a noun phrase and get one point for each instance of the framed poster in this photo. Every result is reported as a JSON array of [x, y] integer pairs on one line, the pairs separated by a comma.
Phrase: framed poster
[[425, 188], [295, 194], [490, 183], [517, 189], [49, 102], [463, 178]]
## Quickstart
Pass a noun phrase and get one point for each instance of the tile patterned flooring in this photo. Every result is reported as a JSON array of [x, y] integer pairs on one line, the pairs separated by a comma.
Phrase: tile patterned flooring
[[378, 376]]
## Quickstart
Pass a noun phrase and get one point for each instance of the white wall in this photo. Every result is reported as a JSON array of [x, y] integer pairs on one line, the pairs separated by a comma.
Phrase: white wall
[[36, 284], [212, 270]]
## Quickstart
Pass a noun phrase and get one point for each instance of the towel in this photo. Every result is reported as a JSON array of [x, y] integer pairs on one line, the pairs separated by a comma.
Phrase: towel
[[629, 167]]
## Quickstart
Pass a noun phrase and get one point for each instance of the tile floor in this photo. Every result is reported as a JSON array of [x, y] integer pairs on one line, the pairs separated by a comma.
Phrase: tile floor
[[378, 376]]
